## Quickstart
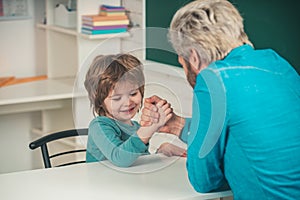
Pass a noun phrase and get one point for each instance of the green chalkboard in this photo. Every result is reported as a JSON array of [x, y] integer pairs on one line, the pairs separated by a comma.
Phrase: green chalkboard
[[269, 24], [159, 13]]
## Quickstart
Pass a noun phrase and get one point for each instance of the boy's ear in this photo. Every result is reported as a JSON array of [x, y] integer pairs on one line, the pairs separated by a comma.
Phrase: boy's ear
[[194, 60]]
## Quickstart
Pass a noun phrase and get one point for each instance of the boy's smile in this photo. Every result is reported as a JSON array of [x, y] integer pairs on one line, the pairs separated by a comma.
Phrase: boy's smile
[[123, 102]]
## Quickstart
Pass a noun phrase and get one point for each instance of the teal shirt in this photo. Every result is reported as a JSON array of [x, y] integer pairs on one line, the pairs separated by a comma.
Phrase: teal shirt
[[245, 127], [115, 141]]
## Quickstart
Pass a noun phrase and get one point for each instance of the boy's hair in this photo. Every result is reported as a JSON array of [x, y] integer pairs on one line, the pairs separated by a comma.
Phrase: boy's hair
[[108, 70], [211, 27]]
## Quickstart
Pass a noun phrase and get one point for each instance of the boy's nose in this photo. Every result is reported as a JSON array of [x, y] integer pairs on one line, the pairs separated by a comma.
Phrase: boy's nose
[[127, 101]]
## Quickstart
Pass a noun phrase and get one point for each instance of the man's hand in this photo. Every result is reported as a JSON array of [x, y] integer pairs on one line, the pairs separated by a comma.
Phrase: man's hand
[[151, 115]]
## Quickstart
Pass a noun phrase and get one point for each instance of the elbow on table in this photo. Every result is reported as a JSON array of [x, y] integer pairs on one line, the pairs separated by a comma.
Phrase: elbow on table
[[122, 163], [206, 187], [120, 159], [202, 188]]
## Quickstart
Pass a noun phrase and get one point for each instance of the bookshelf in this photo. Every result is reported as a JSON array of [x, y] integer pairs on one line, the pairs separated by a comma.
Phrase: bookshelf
[[68, 31], [74, 32], [67, 47]]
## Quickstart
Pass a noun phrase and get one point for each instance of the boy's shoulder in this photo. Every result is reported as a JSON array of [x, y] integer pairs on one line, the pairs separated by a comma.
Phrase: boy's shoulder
[[103, 121], [106, 124]]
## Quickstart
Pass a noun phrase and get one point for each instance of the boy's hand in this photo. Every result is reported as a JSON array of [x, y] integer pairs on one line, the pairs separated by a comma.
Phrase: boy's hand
[[164, 111], [150, 111], [150, 115]]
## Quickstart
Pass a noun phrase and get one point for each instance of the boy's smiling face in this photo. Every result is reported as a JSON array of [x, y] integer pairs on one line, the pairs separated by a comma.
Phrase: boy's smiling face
[[123, 102]]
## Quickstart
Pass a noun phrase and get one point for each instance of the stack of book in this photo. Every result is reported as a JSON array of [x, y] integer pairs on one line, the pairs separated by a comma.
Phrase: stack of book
[[111, 19]]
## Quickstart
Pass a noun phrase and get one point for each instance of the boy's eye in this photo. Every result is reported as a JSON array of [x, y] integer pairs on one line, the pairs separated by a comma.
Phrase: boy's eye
[[133, 93], [116, 98]]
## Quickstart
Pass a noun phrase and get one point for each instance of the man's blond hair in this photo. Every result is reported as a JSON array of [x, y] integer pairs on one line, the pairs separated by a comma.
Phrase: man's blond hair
[[211, 27]]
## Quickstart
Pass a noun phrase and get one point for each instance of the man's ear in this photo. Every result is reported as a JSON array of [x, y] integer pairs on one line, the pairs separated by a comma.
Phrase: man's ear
[[194, 60]]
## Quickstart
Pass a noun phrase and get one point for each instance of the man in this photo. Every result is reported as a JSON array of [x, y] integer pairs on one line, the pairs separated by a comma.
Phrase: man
[[245, 126]]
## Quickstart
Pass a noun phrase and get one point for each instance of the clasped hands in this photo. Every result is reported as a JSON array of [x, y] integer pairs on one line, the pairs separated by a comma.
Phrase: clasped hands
[[174, 124]]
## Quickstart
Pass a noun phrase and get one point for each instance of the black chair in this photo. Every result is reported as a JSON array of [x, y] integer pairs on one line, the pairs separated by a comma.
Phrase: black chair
[[43, 141]]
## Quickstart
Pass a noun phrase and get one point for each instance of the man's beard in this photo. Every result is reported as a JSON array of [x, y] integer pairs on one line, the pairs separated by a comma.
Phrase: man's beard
[[191, 75]]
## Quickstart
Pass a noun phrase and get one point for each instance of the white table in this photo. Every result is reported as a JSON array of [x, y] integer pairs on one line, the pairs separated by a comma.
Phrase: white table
[[152, 177]]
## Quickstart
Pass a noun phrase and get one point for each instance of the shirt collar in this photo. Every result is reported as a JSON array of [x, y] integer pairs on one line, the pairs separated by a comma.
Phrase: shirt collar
[[239, 50]]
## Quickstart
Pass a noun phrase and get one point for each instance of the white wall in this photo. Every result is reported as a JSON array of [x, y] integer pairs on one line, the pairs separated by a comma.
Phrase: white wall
[[17, 49]]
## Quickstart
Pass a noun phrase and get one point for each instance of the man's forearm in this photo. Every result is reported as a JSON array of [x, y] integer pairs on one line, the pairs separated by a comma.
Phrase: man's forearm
[[178, 125], [185, 130]]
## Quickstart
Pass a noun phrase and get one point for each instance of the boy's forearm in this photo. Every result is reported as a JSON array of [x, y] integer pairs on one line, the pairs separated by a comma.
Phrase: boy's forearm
[[145, 133]]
